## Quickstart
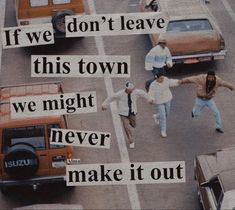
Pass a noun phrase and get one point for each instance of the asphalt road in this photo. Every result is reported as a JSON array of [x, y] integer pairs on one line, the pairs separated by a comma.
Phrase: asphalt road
[[186, 137]]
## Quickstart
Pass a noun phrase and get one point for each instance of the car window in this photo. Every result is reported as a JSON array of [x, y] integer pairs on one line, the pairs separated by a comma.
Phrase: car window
[[49, 127], [61, 1], [216, 190], [189, 25], [33, 135], [38, 3]]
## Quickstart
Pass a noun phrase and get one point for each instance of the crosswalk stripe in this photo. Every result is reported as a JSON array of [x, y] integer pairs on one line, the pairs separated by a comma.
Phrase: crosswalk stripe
[[2, 21], [229, 9], [132, 191]]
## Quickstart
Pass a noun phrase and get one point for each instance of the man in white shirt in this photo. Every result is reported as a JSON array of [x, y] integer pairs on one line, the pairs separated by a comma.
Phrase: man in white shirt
[[127, 107], [158, 57], [160, 91], [156, 60]]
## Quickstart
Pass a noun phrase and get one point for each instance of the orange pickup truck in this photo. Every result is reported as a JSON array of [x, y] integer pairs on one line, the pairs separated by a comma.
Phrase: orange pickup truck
[[192, 33], [26, 155]]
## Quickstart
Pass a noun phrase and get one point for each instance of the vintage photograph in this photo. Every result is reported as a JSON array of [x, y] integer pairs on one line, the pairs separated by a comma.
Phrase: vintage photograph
[[117, 104]]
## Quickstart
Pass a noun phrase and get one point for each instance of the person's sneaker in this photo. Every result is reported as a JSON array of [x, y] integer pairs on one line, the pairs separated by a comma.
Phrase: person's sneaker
[[219, 130], [163, 134], [193, 115], [155, 119], [132, 145]]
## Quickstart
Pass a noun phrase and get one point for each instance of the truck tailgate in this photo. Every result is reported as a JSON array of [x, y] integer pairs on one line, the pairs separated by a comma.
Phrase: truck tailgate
[[184, 43]]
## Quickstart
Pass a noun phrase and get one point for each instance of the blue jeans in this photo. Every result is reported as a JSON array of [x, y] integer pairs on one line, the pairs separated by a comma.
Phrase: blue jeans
[[200, 104], [163, 111]]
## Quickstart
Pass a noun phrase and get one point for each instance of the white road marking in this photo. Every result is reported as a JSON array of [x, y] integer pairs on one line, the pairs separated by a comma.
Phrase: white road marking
[[132, 191], [229, 9], [2, 21], [137, 3]]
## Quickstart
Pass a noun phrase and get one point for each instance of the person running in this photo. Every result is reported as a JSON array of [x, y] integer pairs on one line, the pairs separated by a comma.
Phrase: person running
[[156, 60], [207, 84], [127, 107], [159, 90]]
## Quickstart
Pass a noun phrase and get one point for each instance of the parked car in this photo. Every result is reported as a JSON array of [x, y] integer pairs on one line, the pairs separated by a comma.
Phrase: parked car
[[192, 33], [215, 175], [47, 11], [26, 155]]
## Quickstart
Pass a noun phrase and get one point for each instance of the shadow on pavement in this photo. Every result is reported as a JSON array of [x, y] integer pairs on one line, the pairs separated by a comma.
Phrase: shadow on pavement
[[183, 70], [61, 45], [44, 194]]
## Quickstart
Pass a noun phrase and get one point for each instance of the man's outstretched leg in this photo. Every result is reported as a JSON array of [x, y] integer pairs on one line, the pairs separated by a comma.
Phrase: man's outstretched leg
[[198, 107], [216, 115]]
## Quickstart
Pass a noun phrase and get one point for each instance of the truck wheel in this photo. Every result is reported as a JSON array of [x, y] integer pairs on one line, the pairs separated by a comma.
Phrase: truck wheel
[[58, 20], [21, 161]]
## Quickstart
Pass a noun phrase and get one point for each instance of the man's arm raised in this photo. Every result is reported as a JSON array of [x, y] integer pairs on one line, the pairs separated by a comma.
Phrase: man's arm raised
[[223, 83], [143, 94], [193, 79]]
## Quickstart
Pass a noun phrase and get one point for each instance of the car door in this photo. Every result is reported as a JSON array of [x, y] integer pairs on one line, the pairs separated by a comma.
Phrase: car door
[[202, 193], [215, 193]]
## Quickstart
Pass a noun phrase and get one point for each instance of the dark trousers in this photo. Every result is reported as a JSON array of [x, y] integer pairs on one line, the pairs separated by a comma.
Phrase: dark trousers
[[128, 122], [158, 70], [154, 72]]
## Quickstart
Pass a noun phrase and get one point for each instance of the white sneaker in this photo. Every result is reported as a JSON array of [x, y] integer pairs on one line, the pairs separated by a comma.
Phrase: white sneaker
[[155, 119], [132, 145], [163, 134]]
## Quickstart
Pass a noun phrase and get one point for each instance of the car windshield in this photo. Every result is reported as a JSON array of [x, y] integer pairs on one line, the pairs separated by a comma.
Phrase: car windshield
[[33, 135], [38, 3], [189, 25]]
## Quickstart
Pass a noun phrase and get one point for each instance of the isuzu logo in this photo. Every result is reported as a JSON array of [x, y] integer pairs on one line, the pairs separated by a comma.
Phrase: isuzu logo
[[20, 163]]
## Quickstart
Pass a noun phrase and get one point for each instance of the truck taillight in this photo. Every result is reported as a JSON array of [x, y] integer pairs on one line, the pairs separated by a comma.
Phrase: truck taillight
[[222, 42], [23, 23], [70, 155]]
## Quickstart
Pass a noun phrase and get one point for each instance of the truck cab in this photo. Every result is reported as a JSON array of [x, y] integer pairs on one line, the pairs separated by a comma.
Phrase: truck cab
[[47, 11]]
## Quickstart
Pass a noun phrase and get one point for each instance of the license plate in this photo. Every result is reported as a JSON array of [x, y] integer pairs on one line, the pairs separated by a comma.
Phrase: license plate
[[218, 57], [191, 60], [58, 161], [205, 59], [60, 164]]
